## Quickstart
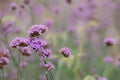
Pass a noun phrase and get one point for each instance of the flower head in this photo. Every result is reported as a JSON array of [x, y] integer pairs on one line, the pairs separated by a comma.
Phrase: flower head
[[49, 66], [108, 59], [4, 57], [109, 41], [37, 30], [19, 42], [102, 78], [65, 51]]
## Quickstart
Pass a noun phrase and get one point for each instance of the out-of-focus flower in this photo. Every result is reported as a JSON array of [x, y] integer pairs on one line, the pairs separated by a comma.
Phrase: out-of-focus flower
[[23, 64], [37, 30], [71, 28], [102, 78], [48, 23], [109, 41], [65, 51], [26, 51], [117, 62], [13, 6], [49, 66], [19, 42], [108, 59], [4, 57]]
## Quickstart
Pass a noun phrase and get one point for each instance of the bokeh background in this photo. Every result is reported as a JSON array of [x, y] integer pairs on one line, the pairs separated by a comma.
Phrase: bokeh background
[[81, 25]]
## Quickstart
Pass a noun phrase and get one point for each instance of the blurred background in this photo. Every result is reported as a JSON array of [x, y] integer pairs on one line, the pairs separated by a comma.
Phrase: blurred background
[[81, 25]]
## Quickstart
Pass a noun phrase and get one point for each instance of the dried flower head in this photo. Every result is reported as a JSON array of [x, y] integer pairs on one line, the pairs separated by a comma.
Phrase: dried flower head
[[65, 51]]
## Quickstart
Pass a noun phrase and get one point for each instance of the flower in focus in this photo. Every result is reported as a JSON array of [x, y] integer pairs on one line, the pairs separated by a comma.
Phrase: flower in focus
[[109, 41], [37, 30], [49, 66], [19, 42], [65, 51], [37, 44]]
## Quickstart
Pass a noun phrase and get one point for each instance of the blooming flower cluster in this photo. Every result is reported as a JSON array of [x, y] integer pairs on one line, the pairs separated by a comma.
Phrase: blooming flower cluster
[[65, 51], [35, 44], [109, 41], [4, 57]]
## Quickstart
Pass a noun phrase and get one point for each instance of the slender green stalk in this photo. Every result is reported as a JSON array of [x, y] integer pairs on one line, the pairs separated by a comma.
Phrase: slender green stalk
[[51, 75], [46, 76], [3, 74], [18, 67]]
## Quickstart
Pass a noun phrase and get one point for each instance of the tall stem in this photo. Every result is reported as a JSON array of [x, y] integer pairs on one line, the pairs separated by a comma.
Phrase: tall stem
[[3, 74], [18, 67]]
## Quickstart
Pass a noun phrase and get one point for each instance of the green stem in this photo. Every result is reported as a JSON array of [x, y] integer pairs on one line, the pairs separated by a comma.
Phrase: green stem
[[3, 74], [52, 75], [18, 67]]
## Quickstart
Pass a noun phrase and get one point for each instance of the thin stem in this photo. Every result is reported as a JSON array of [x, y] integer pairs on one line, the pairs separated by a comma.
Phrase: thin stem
[[18, 67], [46, 76], [3, 74], [51, 75]]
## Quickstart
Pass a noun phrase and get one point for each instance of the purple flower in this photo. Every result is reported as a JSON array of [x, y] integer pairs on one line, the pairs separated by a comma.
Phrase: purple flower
[[37, 44], [65, 51], [46, 53], [71, 28], [4, 57], [102, 78], [117, 62], [109, 41], [23, 64], [108, 59], [37, 30], [13, 6], [19, 42], [49, 66], [26, 51]]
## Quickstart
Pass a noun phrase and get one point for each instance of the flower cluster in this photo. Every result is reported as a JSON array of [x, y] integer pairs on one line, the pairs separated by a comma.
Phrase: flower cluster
[[4, 57], [35, 44], [19, 42], [37, 30], [65, 51], [109, 41]]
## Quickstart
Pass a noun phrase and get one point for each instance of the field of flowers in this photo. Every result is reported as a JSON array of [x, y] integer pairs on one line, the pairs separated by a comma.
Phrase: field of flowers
[[59, 40]]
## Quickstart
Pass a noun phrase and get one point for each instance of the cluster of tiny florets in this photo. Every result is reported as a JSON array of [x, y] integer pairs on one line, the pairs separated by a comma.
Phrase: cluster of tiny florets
[[65, 51], [37, 30], [4, 57]]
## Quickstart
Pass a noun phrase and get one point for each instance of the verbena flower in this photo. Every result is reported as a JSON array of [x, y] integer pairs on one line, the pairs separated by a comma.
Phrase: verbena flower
[[13, 6], [46, 53], [108, 59], [37, 30], [37, 44], [65, 51], [4, 57], [109, 41], [49, 66], [26, 51], [19, 42], [102, 78]]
